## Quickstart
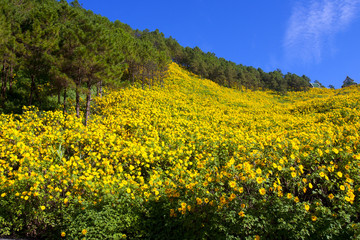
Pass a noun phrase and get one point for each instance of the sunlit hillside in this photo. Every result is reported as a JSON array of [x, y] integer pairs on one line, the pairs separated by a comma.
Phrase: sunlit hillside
[[186, 160]]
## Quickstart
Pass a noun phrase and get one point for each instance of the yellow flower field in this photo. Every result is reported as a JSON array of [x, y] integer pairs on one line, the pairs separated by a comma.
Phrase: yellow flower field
[[215, 161]]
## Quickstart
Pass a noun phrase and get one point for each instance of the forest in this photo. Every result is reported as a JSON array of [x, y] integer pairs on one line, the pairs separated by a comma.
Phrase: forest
[[53, 51]]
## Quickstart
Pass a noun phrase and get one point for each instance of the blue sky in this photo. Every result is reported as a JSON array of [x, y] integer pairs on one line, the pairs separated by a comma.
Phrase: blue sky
[[319, 39]]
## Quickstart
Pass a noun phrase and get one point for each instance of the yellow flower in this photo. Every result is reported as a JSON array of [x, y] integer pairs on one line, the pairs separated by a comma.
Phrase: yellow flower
[[43, 208], [293, 174], [289, 195], [199, 201], [342, 187], [339, 174], [259, 180], [320, 152], [84, 231], [331, 196], [3, 194], [322, 174], [63, 234], [307, 207], [241, 214], [310, 186], [296, 199], [232, 184], [335, 150], [313, 218], [172, 212], [262, 191]]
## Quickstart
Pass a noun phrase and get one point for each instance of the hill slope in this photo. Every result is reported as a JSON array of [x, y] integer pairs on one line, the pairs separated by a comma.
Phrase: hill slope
[[189, 160]]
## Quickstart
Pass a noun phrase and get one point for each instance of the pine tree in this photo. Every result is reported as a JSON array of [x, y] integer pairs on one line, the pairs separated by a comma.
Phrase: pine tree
[[348, 82], [38, 40]]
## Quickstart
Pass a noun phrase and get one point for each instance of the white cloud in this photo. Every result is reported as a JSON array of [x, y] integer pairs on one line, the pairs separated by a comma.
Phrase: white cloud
[[313, 24]]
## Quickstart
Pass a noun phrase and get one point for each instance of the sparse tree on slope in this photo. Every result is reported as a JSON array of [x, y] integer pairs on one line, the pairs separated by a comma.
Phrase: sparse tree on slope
[[348, 82]]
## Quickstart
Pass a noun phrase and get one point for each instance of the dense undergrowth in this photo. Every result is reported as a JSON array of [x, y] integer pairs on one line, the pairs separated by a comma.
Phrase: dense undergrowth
[[189, 160]]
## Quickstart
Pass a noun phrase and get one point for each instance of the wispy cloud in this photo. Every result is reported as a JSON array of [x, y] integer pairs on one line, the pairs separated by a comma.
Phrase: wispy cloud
[[313, 23]]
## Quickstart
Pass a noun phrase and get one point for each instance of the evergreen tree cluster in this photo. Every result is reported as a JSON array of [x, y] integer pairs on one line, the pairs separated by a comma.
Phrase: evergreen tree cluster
[[221, 71], [53, 49], [229, 74], [348, 82]]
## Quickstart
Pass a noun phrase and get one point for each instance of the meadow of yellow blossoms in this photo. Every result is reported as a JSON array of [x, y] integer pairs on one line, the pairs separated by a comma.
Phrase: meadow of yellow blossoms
[[190, 155]]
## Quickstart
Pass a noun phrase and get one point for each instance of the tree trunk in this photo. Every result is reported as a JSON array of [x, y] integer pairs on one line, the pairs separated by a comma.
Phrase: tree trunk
[[88, 101], [150, 78], [133, 76], [64, 110], [99, 91], [32, 89], [11, 77], [77, 101], [3, 81], [143, 78], [77, 98], [59, 97]]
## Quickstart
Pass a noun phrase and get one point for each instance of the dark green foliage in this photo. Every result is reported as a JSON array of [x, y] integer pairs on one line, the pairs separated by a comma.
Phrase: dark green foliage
[[348, 82], [50, 48], [110, 219]]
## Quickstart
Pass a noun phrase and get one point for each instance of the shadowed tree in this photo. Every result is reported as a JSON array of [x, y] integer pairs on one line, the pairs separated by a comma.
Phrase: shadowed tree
[[38, 40], [348, 82], [296, 83], [5, 35], [12, 14]]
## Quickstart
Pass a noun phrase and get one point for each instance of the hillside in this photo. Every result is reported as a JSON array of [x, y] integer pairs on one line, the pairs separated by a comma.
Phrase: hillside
[[186, 160]]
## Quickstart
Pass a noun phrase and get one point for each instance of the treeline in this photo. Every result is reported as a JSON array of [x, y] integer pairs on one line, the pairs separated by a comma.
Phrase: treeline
[[221, 71], [51, 49]]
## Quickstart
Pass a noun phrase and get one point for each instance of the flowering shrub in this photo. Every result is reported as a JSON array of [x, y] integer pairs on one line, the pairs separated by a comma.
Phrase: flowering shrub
[[189, 160]]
